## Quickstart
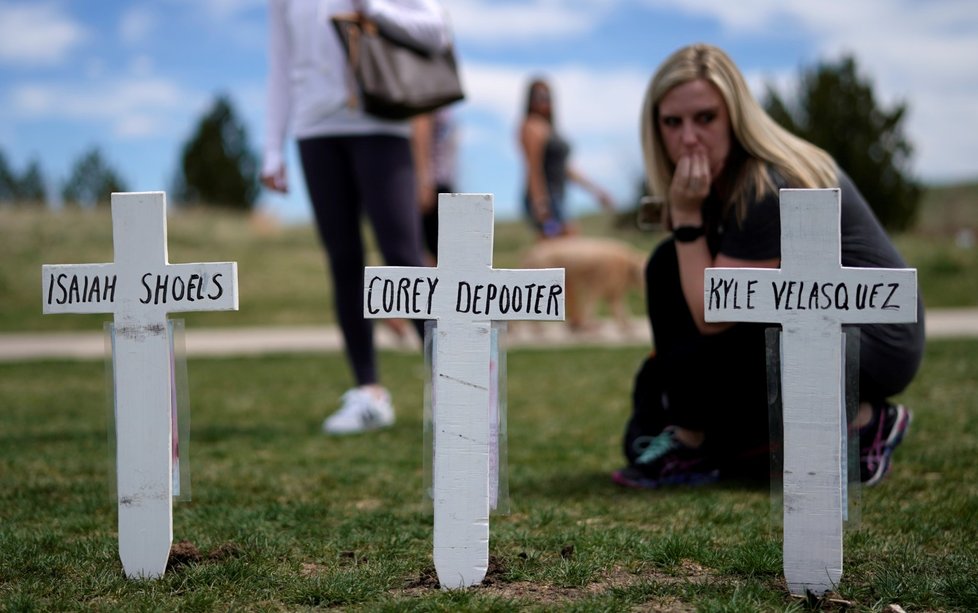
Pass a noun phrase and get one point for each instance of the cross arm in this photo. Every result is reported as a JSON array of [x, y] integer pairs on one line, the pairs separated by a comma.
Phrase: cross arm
[[211, 286], [844, 295], [479, 295], [78, 288]]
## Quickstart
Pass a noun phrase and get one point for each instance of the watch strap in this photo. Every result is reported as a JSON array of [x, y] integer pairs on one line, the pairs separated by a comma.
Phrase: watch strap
[[688, 234]]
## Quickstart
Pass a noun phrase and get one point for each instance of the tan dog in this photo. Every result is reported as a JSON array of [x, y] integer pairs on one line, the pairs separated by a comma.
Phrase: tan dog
[[595, 268]]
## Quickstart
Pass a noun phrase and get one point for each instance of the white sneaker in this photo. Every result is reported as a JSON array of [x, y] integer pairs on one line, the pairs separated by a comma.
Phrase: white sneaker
[[362, 410]]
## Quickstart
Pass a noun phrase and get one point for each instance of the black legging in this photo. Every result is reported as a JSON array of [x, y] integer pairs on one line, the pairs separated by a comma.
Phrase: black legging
[[718, 383], [714, 383], [347, 176]]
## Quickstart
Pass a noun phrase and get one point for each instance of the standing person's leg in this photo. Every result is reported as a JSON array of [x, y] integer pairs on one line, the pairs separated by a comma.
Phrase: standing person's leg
[[386, 182], [328, 168], [429, 221], [330, 178]]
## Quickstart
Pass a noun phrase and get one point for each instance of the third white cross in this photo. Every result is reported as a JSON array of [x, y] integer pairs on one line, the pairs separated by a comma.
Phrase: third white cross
[[812, 296]]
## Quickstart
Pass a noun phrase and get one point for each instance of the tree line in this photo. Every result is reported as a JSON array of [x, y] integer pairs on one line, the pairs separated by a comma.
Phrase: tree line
[[834, 107], [217, 168]]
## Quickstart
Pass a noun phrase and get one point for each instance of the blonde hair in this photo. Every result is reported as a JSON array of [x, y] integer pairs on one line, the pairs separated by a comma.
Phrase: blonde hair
[[765, 143]]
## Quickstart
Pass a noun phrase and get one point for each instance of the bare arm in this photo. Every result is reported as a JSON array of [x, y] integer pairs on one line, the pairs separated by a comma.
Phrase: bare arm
[[694, 259], [603, 198], [533, 139], [689, 188], [273, 174], [422, 137]]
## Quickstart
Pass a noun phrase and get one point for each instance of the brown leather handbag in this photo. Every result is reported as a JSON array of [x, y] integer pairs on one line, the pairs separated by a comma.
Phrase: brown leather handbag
[[396, 80]]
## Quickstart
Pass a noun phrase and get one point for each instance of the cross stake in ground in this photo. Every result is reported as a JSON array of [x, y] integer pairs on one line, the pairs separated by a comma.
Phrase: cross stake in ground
[[465, 295], [812, 296], [140, 288]]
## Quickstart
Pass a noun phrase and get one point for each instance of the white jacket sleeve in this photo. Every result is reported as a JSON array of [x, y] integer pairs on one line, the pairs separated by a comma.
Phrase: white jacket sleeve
[[279, 93], [420, 22]]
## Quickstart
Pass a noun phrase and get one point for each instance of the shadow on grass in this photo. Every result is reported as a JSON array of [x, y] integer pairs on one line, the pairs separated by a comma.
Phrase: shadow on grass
[[75, 434], [258, 431], [598, 484]]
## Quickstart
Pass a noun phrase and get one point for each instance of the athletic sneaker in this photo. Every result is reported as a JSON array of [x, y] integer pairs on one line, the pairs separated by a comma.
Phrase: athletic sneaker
[[878, 439], [362, 410], [664, 460]]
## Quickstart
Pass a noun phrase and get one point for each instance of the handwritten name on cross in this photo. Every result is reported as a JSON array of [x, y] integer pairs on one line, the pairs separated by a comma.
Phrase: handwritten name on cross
[[140, 288], [812, 296], [465, 294]]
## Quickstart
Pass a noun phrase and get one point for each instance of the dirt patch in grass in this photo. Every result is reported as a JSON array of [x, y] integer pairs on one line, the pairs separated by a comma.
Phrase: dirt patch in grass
[[549, 593], [183, 553]]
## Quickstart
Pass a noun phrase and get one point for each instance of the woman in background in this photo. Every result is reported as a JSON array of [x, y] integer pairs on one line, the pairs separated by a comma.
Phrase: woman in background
[[354, 164], [545, 157]]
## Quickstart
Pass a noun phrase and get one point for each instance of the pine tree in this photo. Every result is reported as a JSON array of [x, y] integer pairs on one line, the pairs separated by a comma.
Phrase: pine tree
[[8, 182], [31, 188], [217, 166], [91, 181], [837, 110]]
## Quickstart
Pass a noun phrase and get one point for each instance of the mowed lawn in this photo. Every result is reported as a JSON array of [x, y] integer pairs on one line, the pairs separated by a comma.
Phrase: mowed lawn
[[284, 518]]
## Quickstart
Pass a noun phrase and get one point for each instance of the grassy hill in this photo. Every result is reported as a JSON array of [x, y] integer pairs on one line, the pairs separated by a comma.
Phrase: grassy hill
[[283, 519], [282, 269]]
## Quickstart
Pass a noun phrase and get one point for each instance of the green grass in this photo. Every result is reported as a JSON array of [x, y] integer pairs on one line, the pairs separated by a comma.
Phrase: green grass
[[309, 522], [298, 521], [282, 270]]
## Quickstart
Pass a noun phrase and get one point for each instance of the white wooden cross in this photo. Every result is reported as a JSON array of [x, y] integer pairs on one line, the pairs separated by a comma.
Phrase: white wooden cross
[[465, 294], [140, 288], [811, 296]]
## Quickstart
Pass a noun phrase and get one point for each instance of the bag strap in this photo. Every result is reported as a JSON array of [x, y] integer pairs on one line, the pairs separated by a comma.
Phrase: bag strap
[[356, 25]]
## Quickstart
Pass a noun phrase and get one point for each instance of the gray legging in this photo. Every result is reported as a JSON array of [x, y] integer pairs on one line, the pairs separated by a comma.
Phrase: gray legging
[[347, 176]]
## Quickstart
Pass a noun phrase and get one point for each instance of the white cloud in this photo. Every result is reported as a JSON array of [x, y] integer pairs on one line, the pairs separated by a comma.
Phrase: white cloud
[[942, 128], [137, 24], [921, 53], [137, 125], [596, 109], [94, 67], [226, 8], [598, 101], [586, 99], [37, 34], [743, 15], [141, 65], [495, 89], [138, 107], [509, 22], [220, 9]]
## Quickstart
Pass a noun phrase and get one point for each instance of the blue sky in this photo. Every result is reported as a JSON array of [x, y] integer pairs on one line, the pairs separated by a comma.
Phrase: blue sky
[[134, 77]]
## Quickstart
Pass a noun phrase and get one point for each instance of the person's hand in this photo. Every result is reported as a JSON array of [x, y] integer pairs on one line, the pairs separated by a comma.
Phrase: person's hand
[[276, 181], [689, 188], [604, 199], [541, 209]]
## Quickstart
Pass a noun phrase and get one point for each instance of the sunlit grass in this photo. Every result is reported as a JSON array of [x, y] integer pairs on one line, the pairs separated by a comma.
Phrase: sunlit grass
[[285, 518], [282, 270]]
